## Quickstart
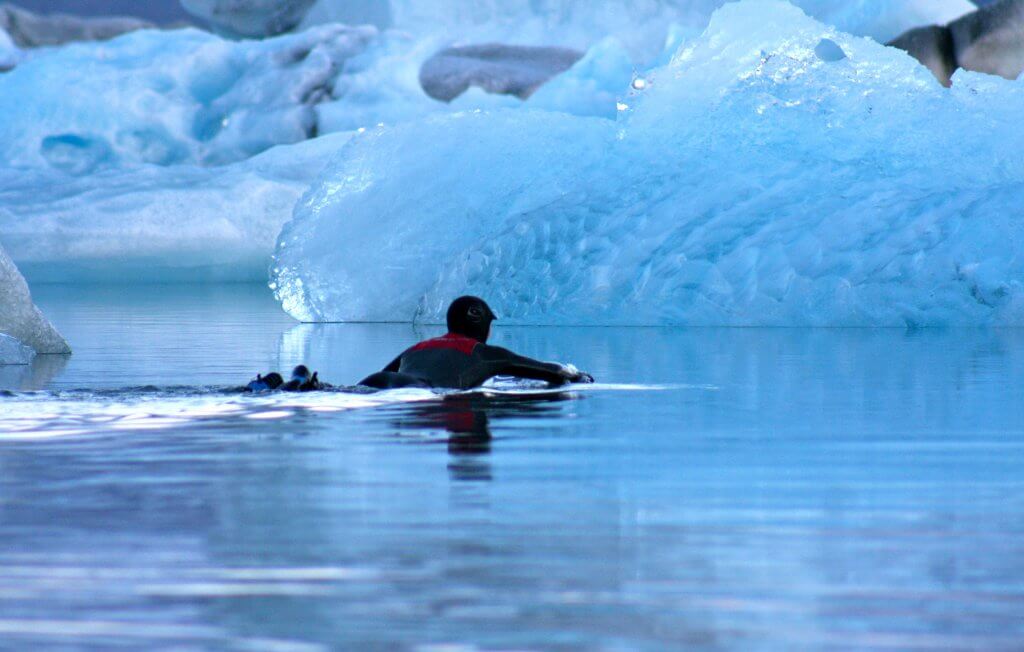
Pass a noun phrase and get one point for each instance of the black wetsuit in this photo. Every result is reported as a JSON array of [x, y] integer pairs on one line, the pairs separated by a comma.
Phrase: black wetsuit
[[462, 362]]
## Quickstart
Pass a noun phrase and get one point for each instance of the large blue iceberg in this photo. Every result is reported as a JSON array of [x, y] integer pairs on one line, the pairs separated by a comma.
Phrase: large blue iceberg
[[775, 172]]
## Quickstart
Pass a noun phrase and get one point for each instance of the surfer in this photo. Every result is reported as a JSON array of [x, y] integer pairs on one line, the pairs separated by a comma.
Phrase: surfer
[[462, 359]]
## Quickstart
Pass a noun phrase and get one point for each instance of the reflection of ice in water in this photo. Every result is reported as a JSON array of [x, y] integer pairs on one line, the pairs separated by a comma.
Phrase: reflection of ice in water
[[339, 354], [35, 375]]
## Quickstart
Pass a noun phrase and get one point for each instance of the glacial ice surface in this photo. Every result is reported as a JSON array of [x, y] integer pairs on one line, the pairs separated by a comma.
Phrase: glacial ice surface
[[19, 317], [749, 181], [157, 223], [168, 97]]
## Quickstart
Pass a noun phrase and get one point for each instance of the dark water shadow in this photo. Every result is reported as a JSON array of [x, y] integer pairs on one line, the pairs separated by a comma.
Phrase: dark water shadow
[[467, 422]]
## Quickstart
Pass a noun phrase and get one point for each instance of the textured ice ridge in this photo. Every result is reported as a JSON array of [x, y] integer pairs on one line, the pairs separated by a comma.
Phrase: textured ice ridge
[[775, 172], [170, 97], [20, 319]]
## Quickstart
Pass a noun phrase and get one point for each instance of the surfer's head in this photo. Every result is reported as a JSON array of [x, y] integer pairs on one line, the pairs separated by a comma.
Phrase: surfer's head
[[471, 317], [273, 380]]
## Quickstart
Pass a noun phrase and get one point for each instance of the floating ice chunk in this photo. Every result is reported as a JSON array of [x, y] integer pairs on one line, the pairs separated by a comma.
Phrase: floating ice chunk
[[155, 223], [19, 317], [169, 97], [13, 352], [496, 68], [30, 30], [749, 183], [250, 18]]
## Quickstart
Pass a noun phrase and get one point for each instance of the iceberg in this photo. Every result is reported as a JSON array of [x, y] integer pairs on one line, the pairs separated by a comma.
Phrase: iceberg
[[21, 321], [165, 98], [157, 224], [776, 172]]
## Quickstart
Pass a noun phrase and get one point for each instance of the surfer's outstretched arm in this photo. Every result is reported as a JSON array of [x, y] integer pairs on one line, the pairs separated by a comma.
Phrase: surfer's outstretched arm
[[394, 365], [507, 363]]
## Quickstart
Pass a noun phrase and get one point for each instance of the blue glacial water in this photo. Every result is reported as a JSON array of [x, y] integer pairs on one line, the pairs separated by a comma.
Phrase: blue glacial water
[[747, 489]]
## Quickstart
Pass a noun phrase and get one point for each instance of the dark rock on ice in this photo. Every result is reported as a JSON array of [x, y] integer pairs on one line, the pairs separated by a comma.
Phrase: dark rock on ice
[[991, 39], [933, 47], [502, 69], [30, 30], [250, 18]]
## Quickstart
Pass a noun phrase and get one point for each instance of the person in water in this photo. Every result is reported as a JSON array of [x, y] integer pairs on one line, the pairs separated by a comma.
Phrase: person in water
[[462, 359], [301, 381]]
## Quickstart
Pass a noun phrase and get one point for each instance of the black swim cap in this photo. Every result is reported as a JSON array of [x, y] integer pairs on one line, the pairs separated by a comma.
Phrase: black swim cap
[[300, 372], [470, 316], [273, 380]]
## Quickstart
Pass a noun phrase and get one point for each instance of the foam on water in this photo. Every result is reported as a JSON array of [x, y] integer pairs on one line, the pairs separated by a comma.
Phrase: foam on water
[[103, 413]]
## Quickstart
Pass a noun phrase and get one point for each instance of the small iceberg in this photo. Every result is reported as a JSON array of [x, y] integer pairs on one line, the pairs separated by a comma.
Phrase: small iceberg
[[21, 322]]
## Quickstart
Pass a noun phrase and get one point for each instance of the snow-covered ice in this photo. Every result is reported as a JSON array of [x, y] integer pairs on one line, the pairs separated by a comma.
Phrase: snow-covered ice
[[154, 223], [19, 317], [181, 96], [751, 181]]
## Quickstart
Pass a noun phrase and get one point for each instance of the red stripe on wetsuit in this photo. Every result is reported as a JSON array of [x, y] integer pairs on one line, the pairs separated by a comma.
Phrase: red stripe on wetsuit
[[460, 343]]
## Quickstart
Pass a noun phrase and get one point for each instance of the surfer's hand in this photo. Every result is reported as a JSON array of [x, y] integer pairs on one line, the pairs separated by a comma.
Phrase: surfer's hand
[[574, 375], [583, 377]]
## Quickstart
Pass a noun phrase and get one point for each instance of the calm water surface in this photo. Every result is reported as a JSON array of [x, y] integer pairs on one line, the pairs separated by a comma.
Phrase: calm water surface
[[754, 489]]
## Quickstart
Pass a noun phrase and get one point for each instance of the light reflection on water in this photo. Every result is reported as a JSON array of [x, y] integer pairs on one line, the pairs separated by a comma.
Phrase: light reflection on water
[[787, 489]]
